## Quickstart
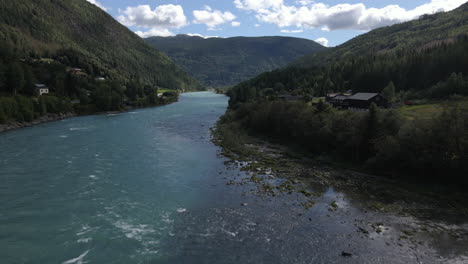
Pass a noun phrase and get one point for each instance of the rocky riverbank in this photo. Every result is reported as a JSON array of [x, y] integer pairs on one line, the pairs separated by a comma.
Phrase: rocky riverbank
[[300, 171], [416, 217], [43, 119]]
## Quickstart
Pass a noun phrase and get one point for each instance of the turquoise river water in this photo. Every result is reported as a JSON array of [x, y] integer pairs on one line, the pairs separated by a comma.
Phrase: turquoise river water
[[149, 186]]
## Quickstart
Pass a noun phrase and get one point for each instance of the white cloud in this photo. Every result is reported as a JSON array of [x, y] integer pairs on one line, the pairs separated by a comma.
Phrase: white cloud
[[155, 33], [164, 16], [258, 5], [94, 2], [201, 36], [292, 31], [310, 14], [235, 23], [322, 41], [159, 21], [305, 2], [212, 18]]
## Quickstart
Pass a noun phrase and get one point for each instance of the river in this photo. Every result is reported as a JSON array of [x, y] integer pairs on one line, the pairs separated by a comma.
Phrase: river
[[149, 186]]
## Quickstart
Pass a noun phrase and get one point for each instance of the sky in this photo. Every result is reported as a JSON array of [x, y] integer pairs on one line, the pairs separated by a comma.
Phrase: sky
[[329, 22]]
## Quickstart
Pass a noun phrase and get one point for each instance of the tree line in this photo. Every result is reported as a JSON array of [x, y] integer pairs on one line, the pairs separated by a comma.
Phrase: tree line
[[435, 72], [380, 141], [80, 92]]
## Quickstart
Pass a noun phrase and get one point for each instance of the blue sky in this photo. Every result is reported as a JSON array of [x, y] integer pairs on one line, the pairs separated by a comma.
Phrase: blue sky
[[330, 22]]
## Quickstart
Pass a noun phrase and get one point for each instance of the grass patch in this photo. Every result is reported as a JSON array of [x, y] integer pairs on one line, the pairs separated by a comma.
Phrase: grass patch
[[425, 111], [161, 91], [432, 109]]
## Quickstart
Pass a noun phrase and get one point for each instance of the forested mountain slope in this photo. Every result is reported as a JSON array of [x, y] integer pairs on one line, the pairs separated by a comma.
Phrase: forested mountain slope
[[416, 56], [88, 61], [79, 34], [420, 67], [426, 32], [228, 61]]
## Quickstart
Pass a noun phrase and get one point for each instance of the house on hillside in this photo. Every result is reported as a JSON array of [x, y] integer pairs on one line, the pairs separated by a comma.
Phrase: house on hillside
[[339, 101], [77, 71], [362, 101], [41, 89], [330, 96]]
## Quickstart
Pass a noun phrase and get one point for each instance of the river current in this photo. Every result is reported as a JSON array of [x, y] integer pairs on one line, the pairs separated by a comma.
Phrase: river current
[[149, 186]]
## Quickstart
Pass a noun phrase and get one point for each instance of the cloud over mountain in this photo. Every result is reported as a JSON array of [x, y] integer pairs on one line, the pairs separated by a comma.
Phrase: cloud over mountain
[[311, 14], [212, 18], [159, 21]]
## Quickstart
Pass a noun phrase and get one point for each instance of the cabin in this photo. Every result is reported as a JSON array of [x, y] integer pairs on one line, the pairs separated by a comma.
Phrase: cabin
[[339, 101], [330, 96], [363, 101], [77, 71], [41, 89]]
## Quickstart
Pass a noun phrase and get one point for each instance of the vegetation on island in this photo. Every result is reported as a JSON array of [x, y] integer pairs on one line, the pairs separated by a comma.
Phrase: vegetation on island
[[220, 62], [424, 134], [108, 70]]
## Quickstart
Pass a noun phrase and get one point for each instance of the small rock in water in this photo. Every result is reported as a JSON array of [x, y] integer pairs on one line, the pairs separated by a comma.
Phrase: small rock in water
[[244, 204], [346, 254]]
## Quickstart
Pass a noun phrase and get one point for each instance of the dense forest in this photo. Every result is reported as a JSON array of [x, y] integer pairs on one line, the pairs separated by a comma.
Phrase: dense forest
[[413, 72], [427, 69], [381, 141], [219, 62], [109, 69]]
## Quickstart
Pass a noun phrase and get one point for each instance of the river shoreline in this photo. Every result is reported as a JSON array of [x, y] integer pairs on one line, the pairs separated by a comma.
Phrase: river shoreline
[[50, 117], [301, 172], [428, 215], [41, 120]]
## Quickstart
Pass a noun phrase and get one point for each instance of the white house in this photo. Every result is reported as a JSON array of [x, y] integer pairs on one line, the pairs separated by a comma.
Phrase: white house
[[41, 89]]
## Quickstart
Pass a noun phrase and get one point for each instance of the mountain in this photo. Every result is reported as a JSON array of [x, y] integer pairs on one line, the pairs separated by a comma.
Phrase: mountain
[[228, 61], [417, 57], [419, 67], [427, 31], [79, 34]]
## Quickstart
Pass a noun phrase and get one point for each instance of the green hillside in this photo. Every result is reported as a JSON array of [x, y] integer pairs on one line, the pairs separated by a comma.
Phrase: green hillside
[[88, 61], [89, 38], [415, 56], [420, 67], [228, 61], [426, 32]]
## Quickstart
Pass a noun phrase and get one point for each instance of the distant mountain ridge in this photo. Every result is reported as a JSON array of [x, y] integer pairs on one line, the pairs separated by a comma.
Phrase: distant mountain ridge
[[228, 61]]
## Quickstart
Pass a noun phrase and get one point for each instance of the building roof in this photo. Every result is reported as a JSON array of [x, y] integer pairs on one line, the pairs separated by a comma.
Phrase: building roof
[[39, 86], [363, 96]]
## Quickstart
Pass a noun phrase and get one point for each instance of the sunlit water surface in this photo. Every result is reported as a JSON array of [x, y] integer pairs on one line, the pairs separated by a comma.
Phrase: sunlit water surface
[[149, 186]]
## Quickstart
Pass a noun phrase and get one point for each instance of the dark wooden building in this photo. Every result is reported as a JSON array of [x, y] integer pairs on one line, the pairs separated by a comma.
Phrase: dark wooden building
[[339, 101], [364, 101]]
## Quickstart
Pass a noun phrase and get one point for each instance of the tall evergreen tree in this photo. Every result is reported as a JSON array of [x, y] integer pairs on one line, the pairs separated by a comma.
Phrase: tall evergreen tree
[[2, 78], [389, 92], [15, 78], [29, 81]]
